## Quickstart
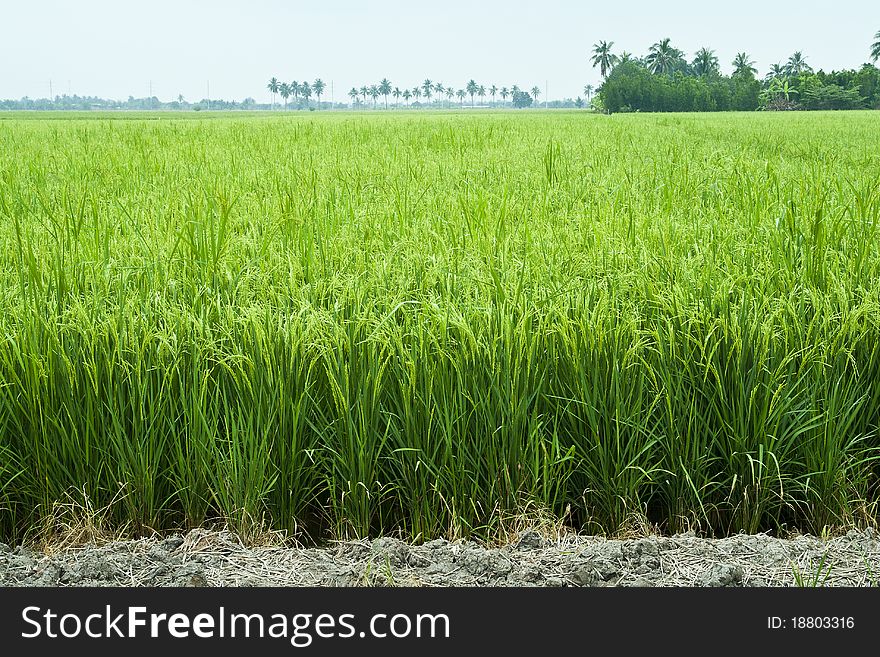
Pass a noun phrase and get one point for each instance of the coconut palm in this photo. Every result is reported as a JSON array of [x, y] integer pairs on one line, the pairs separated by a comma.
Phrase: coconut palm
[[294, 91], [663, 58], [875, 48], [374, 94], [385, 89], [274, 86], [492, 91], [603, 57], [284, 90], [797, 64], [504, 93], [407, 94], [705, 62], [439, 89], [461, 94], [742, 65], [536, 91], [417, 93], [305, 90], [588, 91], [776, 71], [472, 88], [319, 86], [353, 94], [482, 93], [450, 92], [397, 93], [428, 89]]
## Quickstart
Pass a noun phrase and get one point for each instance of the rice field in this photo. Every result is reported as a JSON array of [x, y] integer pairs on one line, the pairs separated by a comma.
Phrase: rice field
[[425, 325]]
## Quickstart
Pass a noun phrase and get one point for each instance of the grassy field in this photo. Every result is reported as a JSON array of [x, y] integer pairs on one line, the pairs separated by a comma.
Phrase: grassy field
[[351, 325]]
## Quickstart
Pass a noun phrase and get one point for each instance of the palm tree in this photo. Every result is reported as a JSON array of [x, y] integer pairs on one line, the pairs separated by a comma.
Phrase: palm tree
[[472, 89], [439, 88], [776, 71], [705, 62], [364, 91], [536, 91], [397, 93], [294, 91], [284, 90], [385, 89], [407, 94], [461, 94], [663, 58], [492, 91], [274, 86], [875, 48], [305, 91], [603, 57], [374, 94], [482, 93], [353, 94], [450, 92], [319, 86], [428, 89], [588, 91], [797, 64], [742, 65], [504, 94], [417, 92]]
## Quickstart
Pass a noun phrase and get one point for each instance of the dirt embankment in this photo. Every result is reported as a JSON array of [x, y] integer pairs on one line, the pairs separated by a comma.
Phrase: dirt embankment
[[203, 558]]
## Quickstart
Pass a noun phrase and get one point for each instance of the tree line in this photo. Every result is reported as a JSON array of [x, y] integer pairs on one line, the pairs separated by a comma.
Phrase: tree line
[[665, 81], [298, 94]]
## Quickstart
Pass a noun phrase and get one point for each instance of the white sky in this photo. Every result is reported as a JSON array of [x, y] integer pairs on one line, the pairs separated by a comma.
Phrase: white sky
[[116, 48]]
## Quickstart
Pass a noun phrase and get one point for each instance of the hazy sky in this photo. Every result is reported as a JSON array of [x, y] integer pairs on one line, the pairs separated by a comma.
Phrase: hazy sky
[[116, 48]]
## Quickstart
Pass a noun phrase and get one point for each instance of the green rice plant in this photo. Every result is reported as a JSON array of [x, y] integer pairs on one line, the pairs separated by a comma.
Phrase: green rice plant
[[342, 326]]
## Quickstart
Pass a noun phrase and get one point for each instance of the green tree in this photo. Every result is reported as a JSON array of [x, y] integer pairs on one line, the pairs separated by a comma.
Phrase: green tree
[[305, 90], [353, 94], [450, 92], [797, 64], [274, 86], [482, 93], [374, 94], [663, 58], [588, 91], [284, 90], [705, 63], [742, 65], [407, 94], [493, 90], [294, 91], [536, 91], [461, 94], [397, 94], [385, 89], [472, 88], [521, 99], [428, 89], [504, 93], [318, 86], [603, 57], [875, 48], [439, 88]]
